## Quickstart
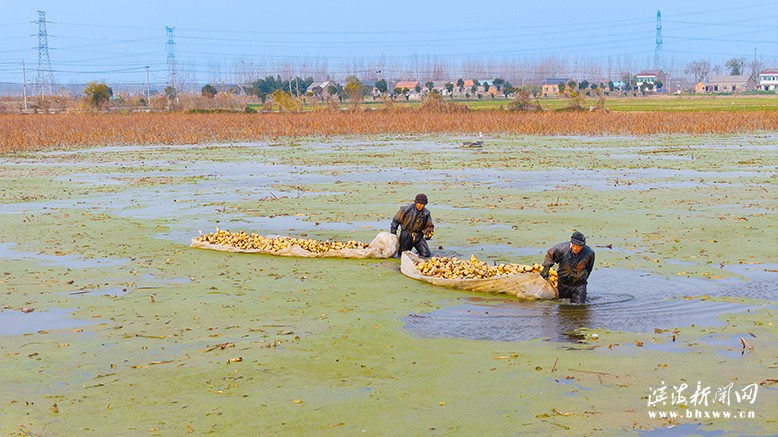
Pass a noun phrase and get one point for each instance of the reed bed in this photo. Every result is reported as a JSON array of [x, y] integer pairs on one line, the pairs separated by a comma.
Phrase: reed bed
[[39, 132]]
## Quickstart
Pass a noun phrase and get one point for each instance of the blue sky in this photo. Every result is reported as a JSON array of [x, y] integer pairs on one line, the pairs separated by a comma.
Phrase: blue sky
[[115, 41]]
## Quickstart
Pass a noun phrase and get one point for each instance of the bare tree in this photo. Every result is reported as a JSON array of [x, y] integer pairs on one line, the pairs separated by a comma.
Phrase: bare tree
[[756, 67], [699, 70], [215, 74]]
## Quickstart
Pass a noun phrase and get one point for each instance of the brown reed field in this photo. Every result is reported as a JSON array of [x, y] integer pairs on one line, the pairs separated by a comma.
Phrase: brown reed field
[[29, 132]]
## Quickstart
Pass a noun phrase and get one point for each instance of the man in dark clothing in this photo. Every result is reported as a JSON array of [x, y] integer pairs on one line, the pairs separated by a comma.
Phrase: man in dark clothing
[[416, 224], [576, 261]]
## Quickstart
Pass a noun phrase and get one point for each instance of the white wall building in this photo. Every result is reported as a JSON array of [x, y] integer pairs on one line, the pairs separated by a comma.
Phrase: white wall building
[[768, 80]]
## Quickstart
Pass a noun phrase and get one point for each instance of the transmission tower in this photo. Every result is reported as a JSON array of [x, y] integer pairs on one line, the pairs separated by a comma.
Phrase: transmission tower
[[45, 80], [658, 61], [171, 57]]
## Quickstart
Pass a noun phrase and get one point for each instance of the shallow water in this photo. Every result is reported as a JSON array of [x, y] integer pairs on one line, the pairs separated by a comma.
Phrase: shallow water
[[14, 322], [757, 289], [11, 251], [617, 300]]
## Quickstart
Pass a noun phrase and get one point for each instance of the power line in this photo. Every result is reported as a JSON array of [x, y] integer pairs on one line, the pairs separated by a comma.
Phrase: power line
[[486, 45]]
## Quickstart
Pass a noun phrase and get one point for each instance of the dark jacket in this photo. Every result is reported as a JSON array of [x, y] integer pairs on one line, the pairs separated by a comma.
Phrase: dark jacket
[[573, 269], [412, 221]]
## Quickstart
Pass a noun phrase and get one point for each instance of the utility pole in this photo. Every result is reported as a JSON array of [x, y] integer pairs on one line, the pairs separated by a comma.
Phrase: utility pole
[[24, 85], [148, 87]]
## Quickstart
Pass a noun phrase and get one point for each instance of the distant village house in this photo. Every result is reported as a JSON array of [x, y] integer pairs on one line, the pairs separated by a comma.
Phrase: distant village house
[[550, 86], [320, 89], [730, 84], [653, 80], [768, 80], [410, 86]]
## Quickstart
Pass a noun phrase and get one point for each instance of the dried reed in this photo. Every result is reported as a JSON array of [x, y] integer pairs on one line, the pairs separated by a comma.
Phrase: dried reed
[[36, 132]]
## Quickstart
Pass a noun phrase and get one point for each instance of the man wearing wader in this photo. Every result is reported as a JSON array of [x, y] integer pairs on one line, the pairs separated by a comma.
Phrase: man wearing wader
[[416, 224], [576, 261]]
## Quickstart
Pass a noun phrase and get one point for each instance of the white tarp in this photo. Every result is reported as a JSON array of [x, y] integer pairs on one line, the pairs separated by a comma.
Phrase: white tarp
[[384, 245], [523, 285]]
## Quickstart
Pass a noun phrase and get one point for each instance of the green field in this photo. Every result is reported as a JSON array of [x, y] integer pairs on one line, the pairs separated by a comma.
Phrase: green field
[[651, 103]]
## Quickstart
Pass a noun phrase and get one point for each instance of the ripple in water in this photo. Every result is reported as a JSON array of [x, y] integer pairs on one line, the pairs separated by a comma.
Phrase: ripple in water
[[653, 302], [763, 288]]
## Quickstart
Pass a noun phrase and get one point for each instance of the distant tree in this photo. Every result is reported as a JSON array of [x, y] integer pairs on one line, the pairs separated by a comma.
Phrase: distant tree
[[629, 80], [699, 70], [430, 86], [507, 89], [405, 92], [522, 100], [335, 89], [756, 68], [600, 93], [208, 90], [171, 93], [584, 85], [460, 84], [98, 94], [286, 101], [381, 86], [354, 90], [450, 88], [736, 65], [264, 87], [575, 96], [299, 85], [417, 87], [658, 84], [498, 82]]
